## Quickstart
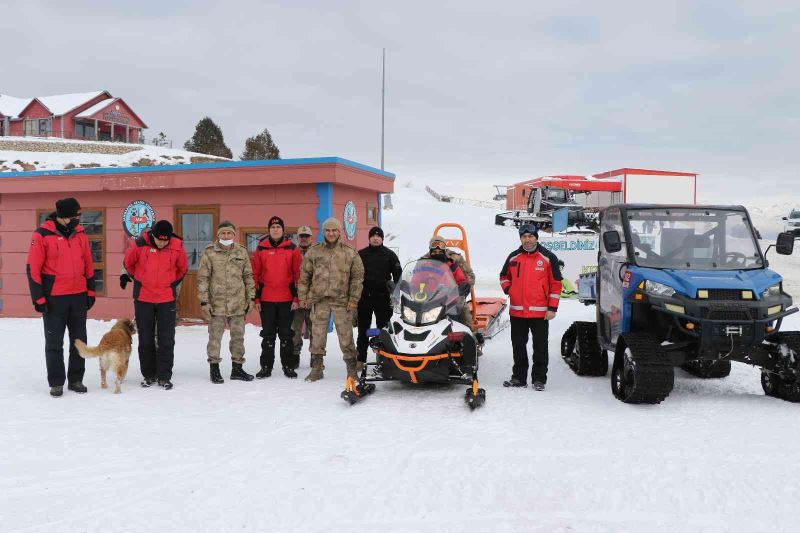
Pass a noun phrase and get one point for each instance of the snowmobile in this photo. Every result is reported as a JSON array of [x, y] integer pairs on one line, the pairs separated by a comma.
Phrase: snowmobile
[[424, 342]]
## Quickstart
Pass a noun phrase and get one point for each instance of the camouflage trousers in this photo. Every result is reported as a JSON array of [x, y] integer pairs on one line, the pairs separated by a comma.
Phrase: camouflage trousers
[[216, 328], [301, 316], [343, 322], [466, 316]]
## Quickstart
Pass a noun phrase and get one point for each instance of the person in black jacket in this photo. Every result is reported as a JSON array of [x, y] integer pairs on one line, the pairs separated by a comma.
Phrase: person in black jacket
[[381, 265]]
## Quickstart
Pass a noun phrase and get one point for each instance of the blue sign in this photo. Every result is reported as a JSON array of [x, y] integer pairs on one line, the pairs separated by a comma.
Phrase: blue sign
[[350, 220], [138, 217], [561, 220]]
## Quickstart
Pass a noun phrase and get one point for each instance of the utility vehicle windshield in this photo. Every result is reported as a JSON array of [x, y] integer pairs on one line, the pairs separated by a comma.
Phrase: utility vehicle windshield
[[693, 238]]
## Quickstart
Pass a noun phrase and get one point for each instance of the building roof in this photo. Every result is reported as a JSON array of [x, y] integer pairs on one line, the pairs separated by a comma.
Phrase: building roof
[[97, 107], [642, 171], [58, 104], [11, 106]]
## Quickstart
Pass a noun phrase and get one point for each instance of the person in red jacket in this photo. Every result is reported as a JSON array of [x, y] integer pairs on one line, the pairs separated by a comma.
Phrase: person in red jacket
[[532, 279], [156, 264], [276, 269], [61, 281]]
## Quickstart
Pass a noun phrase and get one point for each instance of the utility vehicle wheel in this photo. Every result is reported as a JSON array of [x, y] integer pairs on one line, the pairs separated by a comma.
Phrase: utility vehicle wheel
[[581, 351], [789, 347], [708, 369], [642, 372], [771, 383]]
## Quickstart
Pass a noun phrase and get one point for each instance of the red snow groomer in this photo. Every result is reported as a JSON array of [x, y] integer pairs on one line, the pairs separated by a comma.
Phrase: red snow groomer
[[534, 201]]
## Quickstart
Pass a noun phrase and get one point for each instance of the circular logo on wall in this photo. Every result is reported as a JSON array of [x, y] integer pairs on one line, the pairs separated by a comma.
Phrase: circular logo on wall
[[137, 217], [350, 220]]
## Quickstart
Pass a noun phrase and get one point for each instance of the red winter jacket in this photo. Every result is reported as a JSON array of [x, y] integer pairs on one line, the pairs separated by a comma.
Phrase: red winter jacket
[[59, 265], [156, 272], [276, 270], [533, 282]]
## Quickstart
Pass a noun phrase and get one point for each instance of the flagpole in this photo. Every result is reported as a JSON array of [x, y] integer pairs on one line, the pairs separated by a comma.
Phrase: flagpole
[[383, 104]]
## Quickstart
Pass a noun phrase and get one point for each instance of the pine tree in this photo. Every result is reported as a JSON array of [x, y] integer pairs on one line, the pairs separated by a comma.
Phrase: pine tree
[[208, 139], [260, 147], [161, 140]]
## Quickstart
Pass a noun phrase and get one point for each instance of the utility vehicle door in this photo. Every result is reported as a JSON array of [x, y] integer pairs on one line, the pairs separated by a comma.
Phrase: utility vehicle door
[[611, 278]]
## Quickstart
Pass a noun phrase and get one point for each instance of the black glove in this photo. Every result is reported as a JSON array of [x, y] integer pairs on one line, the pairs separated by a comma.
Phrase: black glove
[[124, 280], [40, 308], [89, 302], [463, 289]]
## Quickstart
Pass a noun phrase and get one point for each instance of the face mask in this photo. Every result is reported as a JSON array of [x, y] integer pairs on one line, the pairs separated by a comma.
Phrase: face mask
[[226, 242], [73, 223]]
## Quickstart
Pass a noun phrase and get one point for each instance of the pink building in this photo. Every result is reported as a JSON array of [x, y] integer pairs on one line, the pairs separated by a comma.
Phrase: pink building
[[96, 116], [117, 203]]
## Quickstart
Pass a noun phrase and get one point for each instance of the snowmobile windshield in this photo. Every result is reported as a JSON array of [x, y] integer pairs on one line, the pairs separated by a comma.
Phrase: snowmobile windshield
[[427, 292], [693, 239]]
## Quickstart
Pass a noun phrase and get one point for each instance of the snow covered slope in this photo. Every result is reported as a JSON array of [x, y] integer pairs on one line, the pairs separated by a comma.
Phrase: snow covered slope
[[285, 455], [53, 159]]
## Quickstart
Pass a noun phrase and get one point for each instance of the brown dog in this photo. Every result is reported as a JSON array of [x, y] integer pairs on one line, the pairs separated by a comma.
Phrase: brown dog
[[114, 351]]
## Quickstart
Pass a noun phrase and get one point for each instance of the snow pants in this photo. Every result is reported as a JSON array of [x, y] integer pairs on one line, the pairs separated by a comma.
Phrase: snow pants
[[539, 328], [276, 321], [382, 309], [156, 362], [321, 314], [216, 328], [64, 313]]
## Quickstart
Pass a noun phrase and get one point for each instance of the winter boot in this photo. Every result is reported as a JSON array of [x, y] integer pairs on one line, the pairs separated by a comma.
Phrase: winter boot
[[265, 372], [77, 386], [289, 372], [238, 373], [148, 382], [267, 359], [514, 382], [165, 384], [216, 377], [538, 385], [57, 392], [316, 369]]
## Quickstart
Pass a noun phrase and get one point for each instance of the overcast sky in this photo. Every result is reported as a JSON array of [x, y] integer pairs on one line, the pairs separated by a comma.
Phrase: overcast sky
[[476, 91]]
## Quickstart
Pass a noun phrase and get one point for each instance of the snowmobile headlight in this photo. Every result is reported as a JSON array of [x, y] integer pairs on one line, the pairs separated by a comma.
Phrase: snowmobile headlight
[[775, 290], [409, 315], [658, 289], [431, 315]]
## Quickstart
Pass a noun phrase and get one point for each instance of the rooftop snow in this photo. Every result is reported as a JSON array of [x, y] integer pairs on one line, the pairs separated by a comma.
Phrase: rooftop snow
[[97, 107], [58, 104]]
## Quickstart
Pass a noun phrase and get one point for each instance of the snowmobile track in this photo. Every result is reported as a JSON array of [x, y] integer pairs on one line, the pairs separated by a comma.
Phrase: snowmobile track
[[647, 376]]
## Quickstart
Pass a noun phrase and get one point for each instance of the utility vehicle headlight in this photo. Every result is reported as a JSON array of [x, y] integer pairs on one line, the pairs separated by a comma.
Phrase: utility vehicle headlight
[[774, 310], [409, 315], [658, 289], [431, 315], [775, 290]]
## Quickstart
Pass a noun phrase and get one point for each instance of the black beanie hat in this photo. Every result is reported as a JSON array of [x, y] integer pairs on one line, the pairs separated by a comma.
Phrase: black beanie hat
[[276, 220], [162, 229], [376, 231], [67, 207]]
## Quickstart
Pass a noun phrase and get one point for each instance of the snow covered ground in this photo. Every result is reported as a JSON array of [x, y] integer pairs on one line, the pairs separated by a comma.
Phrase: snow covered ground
[[285, 455], [66, 160]]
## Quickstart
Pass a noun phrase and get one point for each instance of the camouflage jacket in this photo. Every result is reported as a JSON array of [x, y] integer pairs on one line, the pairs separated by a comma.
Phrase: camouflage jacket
[[459, 260], [331, 271], [225, 279]]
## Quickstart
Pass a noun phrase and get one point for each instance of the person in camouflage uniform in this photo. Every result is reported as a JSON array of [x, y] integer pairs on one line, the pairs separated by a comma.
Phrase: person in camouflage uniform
[[302, 316], [437, 241], [331, 280], [226, 289]]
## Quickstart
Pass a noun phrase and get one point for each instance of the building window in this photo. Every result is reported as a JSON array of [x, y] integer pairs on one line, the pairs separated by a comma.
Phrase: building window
[[251, 236], [39, 127], [84, 131], [372, 213], [93, 222]]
